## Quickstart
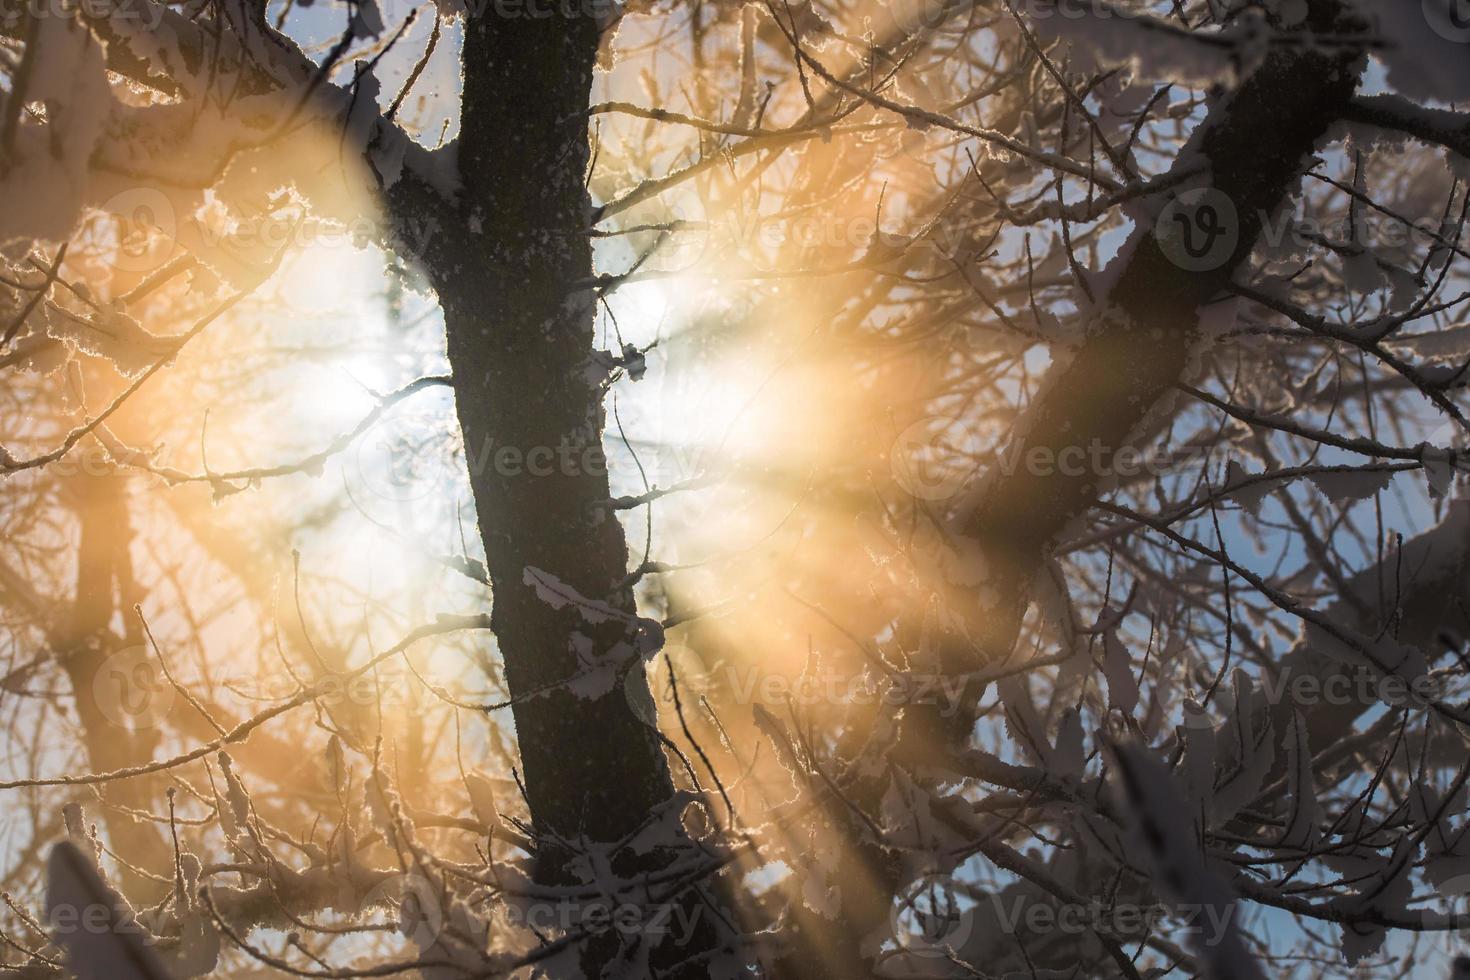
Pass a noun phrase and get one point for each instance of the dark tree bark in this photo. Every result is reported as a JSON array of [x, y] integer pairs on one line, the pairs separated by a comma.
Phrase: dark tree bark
[[511, 274], [530, 404], [1138, 351], [104, 585], [1255, 145]]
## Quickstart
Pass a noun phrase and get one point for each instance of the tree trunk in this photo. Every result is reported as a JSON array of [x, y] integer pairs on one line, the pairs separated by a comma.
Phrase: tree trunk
[[115, 700], [510, 268], [1254, 145], [520, 339], [1148, 328]]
